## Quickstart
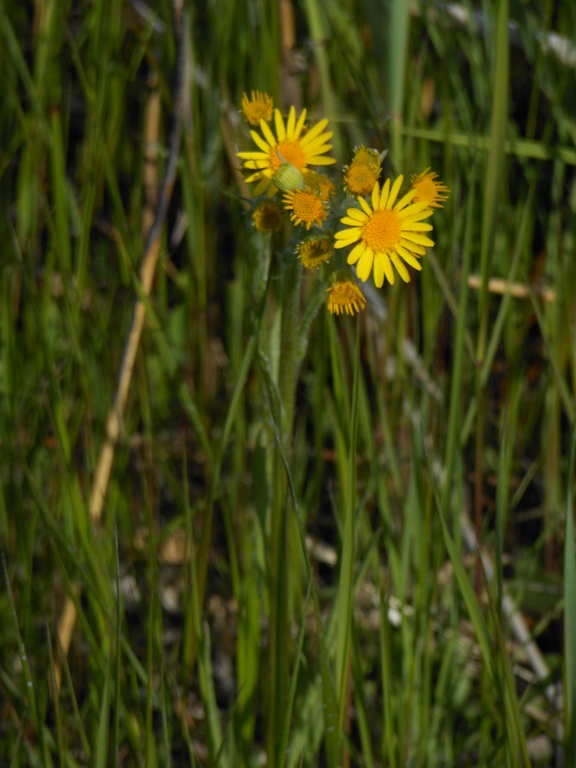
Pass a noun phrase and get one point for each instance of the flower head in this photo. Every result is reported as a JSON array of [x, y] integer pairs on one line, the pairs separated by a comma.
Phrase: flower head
[[320, 183], [344, 296], [367, 156], [306, 205], [386, 235], [314, 251], [428, 190], [363, 172], [258, 107], [268, 217], [290, 145], [359, 178]]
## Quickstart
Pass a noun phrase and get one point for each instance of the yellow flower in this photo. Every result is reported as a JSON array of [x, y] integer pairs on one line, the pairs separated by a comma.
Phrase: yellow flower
[[359, 178], [345, 296], [386, 235], [314, 251], [365, 156], [363, 172], [430, 191], [290, 145], [320, 183], [306, 205], [268, 218], [258, 107]]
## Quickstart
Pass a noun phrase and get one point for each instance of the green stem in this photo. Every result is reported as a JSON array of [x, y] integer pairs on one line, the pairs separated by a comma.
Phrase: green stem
[[280, 587], [289, 358]]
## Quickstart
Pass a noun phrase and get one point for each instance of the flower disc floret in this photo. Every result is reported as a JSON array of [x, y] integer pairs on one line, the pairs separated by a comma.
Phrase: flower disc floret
[[429, 190], [307, 207], [387, 234], [290, 144], [344, 296], [258, 107]]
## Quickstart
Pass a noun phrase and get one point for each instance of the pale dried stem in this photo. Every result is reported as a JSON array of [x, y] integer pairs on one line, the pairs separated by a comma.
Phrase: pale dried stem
[[518, 290]]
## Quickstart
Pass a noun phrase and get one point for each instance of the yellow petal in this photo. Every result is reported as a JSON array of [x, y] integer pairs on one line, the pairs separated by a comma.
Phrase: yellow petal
[[403, 202], [367, 210], [408, 257], [356, 253], [354, 213], [364, 266], [344, 241], [299, 124], [416, 208], [291, 123], [322, 160], [393, 193], [384, 194], [402, 271], [315, 132], [376, 196], [279, 123], [268, 135], [417, 226], [414, 237]]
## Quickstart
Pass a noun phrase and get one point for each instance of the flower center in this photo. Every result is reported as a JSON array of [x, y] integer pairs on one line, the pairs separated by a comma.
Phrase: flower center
[[267, 218], [287, 151], [308, 207], [382, 231], [255, 112], [315, 252], [426, 191], [360, 179]]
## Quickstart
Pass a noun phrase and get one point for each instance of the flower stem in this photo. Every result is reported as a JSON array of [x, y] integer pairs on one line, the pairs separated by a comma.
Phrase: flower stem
[[280, 587]]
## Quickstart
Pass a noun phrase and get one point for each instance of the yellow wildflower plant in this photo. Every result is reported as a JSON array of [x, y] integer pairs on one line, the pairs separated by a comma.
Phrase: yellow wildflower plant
[[345, 297], [258, 107], [289, 144], [429, 190], [385, 230], [386, 234]]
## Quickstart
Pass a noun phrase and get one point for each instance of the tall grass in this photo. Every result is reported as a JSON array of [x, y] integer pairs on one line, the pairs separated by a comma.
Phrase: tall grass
[[324, 540]]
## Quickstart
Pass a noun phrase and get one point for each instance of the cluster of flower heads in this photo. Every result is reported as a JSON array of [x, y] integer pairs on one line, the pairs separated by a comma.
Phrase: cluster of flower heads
[[386, 226]]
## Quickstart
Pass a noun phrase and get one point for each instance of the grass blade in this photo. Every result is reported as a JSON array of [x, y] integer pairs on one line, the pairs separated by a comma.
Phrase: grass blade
[[570, 613]]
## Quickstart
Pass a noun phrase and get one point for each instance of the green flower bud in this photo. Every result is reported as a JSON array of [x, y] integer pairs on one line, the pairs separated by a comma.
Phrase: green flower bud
[[288, 177]]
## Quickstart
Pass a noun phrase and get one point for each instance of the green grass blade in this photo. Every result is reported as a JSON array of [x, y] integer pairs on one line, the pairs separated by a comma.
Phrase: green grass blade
[[210, 707], [103, 732], [397, 61], [495, 166], [29, 693], [284, 739], [117, 658], [570, 612], [346, 576], [472, 605]]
